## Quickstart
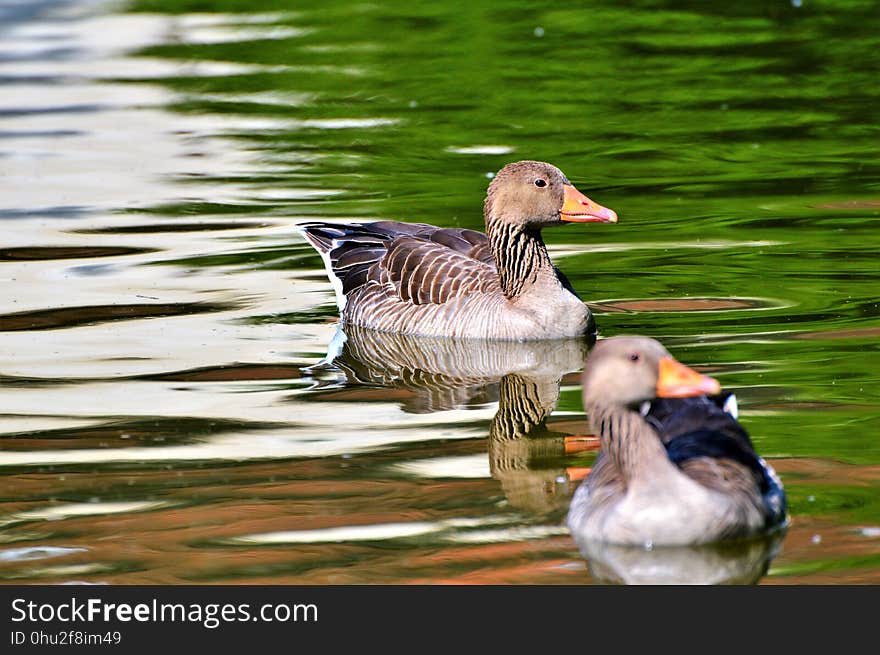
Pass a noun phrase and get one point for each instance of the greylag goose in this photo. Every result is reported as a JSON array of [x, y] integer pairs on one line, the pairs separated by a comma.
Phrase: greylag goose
[[452, 282], [675, 468]]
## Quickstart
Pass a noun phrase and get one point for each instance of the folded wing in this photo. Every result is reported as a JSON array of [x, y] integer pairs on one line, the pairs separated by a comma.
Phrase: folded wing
[[418, 263]]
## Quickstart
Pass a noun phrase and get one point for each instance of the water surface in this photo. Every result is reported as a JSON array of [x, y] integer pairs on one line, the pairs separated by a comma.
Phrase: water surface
[[164, 414]]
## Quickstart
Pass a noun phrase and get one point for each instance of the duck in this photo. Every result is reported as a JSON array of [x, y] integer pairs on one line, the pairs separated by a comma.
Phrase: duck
[[675, 467], [419, 279]]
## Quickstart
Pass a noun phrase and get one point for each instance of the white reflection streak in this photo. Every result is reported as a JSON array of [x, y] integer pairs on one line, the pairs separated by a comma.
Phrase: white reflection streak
[[375, 532], [72, 510], [467, 466], [239, 447]]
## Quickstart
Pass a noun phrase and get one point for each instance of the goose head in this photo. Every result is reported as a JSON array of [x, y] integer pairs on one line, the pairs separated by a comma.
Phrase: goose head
[[535, 194], [628, 371]]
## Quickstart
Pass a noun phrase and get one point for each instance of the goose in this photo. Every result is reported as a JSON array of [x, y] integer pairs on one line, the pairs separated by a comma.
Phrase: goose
[[675, 467], [424, 280]]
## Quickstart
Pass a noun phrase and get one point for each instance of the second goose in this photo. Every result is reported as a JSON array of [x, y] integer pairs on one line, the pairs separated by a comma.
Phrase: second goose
[[675, 468]]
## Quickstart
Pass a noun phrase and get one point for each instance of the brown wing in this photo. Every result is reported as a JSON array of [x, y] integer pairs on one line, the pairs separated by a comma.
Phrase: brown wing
[[468, 242], [725, 475], [424, 271]]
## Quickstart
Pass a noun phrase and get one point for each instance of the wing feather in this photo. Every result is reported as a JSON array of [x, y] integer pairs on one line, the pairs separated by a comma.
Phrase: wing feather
[[429, 272], [419, 263]]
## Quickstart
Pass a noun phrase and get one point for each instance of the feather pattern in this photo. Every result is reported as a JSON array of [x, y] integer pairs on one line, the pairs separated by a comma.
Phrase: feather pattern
[[421, 279], [417, 279]]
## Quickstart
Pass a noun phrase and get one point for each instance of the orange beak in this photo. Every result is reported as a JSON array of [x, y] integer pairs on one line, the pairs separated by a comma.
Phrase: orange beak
[[678, 381], [577, 208]]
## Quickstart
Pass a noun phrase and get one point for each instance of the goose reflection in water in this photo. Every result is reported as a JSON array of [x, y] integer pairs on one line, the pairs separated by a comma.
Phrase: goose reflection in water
[[529, 460], [737, 562], [526, 457]]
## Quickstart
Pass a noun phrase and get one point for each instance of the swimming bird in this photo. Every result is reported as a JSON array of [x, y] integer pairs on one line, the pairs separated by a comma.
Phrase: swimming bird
[[424, 280], [675, 467]]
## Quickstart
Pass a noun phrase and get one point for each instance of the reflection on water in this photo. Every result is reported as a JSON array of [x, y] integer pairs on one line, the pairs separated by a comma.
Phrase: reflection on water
[[727, 563], [527, 458], [524, 378], [453, 373], [164, 413]]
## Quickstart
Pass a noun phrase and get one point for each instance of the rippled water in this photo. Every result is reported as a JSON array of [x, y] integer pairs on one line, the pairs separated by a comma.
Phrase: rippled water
[[165, 416]]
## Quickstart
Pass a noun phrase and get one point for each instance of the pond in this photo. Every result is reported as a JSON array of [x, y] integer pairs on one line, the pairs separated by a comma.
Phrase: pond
[[165, 415]]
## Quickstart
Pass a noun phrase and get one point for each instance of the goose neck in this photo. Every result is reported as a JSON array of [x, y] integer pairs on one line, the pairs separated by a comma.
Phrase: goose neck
[[520, 256]]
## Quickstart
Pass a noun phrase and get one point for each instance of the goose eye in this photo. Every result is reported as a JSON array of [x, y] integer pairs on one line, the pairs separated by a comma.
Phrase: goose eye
[[634, 357], [540, 183]]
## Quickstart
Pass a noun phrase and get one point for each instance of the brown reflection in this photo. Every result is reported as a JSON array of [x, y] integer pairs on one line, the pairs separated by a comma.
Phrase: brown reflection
[[172, 544], [429, 375], [850, 204], [525, 456], [231, 373], [225, 373], [128, 433], [66, 252], [676, 305], [207, 504], [51, 319], [856, 333]]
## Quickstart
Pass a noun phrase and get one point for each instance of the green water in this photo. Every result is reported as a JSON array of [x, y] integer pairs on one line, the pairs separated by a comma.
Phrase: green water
[[156, 423]]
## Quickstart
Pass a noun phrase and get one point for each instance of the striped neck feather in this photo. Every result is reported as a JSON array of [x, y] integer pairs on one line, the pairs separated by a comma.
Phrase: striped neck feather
[[630, 442], [520, 254]]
